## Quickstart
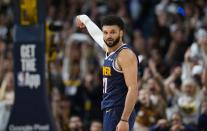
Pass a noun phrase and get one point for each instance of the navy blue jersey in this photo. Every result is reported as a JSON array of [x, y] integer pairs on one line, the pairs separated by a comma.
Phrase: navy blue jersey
[[114, 86]]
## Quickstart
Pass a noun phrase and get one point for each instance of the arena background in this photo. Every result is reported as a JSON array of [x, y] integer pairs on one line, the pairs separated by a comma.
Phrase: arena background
[[50, 70]]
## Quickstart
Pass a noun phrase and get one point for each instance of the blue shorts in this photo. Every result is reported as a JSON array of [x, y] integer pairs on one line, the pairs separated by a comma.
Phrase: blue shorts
[[112, 116]]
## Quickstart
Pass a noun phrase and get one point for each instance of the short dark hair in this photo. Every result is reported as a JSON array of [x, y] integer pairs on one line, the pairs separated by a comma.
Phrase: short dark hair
[[113, 20]]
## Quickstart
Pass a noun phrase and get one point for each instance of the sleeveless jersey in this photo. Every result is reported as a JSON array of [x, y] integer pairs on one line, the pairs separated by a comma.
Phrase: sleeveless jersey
[[114, 86]]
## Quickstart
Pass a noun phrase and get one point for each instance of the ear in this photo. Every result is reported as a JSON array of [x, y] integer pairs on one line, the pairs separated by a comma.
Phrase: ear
[[121, 33]]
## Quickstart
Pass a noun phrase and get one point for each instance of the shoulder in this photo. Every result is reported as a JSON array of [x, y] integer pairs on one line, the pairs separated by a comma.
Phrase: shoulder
[[126, 54]]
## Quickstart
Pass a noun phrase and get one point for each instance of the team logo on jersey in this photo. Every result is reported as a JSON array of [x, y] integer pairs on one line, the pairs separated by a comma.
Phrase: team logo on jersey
[[106, 71]]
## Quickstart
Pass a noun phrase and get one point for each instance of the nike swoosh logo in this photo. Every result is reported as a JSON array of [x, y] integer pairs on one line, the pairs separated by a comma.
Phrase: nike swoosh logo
[[108, 110]]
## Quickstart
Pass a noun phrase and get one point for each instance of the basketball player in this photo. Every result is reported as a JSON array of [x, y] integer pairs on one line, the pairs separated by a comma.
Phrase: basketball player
[[120, 73]]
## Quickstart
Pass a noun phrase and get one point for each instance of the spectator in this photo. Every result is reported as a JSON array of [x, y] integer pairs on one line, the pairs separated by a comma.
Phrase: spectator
[[160, 65], [96, 125], [6, 99], [188, 101], [139, 44], [178, 43], [156, 87], [93, 96], [147, 115], [75, 123], [171, 39], [175, 124], [7, 88], [172, 84], [62, 113]]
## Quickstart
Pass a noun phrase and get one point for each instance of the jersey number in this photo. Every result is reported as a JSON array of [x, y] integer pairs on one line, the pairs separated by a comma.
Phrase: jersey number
[[104, 85]]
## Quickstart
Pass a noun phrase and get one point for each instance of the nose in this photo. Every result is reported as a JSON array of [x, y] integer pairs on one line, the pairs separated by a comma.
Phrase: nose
[[108, 36]]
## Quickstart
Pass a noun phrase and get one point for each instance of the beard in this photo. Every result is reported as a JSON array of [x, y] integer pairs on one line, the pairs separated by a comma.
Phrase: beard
[[114, 42]]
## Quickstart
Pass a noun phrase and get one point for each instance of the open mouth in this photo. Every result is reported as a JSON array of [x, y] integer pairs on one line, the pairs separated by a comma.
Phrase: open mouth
[[109, 40]]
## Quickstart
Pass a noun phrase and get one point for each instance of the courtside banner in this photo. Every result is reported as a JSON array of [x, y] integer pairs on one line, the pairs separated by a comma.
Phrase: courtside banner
[[30, 111]]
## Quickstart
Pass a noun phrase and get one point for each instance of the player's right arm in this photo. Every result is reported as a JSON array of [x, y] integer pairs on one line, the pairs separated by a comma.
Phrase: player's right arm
[[84, 21], [127, 61]]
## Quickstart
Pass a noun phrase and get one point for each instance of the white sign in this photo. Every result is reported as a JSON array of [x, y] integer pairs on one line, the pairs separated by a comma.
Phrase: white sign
[[27, 76]]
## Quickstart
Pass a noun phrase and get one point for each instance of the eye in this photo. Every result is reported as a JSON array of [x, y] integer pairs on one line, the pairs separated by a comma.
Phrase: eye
[[113, 32], [105, 32]]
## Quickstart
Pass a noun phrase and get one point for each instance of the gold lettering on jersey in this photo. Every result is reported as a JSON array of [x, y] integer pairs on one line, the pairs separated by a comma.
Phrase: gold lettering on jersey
[[106, 71]]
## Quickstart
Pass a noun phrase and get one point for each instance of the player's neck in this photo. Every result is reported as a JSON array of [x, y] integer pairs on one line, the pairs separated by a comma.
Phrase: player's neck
[[114, 48]]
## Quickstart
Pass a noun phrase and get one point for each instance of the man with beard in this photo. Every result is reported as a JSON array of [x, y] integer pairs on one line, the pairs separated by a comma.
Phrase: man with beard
[[120, 73]]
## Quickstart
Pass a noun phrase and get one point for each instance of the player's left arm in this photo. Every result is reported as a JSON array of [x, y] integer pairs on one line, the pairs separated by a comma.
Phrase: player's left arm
[[128, 62]]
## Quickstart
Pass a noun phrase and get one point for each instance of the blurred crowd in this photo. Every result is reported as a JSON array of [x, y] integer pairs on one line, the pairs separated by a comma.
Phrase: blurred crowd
[[170, 37]]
